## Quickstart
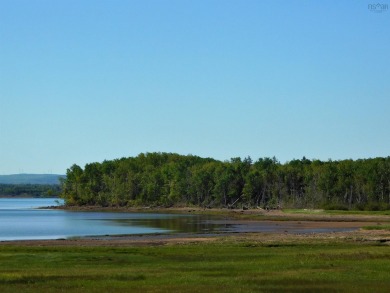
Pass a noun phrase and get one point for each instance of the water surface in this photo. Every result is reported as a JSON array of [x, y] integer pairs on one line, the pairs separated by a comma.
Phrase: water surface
[[20, 219]]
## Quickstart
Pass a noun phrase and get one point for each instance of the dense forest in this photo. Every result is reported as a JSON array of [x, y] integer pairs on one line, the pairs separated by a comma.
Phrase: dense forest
[[30, 190], [166, 179]]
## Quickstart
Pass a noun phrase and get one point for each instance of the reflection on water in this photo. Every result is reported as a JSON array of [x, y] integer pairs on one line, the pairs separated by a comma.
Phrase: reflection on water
[[184, 224], [20, 220]]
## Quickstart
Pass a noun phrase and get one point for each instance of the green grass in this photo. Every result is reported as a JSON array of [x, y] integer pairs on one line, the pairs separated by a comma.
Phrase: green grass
[[336, 212], [224, 266], [377, 227], [352, 212], [303, 211]]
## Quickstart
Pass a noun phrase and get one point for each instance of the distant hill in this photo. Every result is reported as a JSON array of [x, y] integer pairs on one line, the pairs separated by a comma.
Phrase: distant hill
[[31, 179]]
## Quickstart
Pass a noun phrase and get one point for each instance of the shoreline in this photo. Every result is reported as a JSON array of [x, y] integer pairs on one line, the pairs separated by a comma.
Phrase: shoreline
[[357, 236], [258, 214], [287, 227]]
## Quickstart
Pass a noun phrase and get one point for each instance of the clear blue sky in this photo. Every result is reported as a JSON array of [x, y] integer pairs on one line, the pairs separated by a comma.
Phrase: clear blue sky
[[87, 80]]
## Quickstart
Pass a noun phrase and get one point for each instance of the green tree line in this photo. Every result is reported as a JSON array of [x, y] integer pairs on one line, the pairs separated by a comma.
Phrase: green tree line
[[167, 179], [30, 190]]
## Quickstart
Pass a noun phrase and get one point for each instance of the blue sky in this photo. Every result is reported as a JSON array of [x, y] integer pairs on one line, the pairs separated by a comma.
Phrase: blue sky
[[84, 81]]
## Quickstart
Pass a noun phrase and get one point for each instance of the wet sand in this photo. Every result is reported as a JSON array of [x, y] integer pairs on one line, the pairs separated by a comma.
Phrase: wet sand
[[363, 236]]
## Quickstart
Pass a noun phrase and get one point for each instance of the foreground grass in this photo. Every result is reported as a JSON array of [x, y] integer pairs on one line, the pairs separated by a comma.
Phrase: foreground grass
[[222, 266]]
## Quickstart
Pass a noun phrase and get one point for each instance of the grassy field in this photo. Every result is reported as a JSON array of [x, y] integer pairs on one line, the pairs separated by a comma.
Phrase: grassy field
[[224, 265]]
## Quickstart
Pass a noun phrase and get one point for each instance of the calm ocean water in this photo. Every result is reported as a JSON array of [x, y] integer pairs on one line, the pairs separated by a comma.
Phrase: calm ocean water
[[20, 219]]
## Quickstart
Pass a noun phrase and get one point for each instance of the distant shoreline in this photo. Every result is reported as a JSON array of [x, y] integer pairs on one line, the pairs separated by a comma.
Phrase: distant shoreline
[[27, 196], [239, 214], [33, 179]]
